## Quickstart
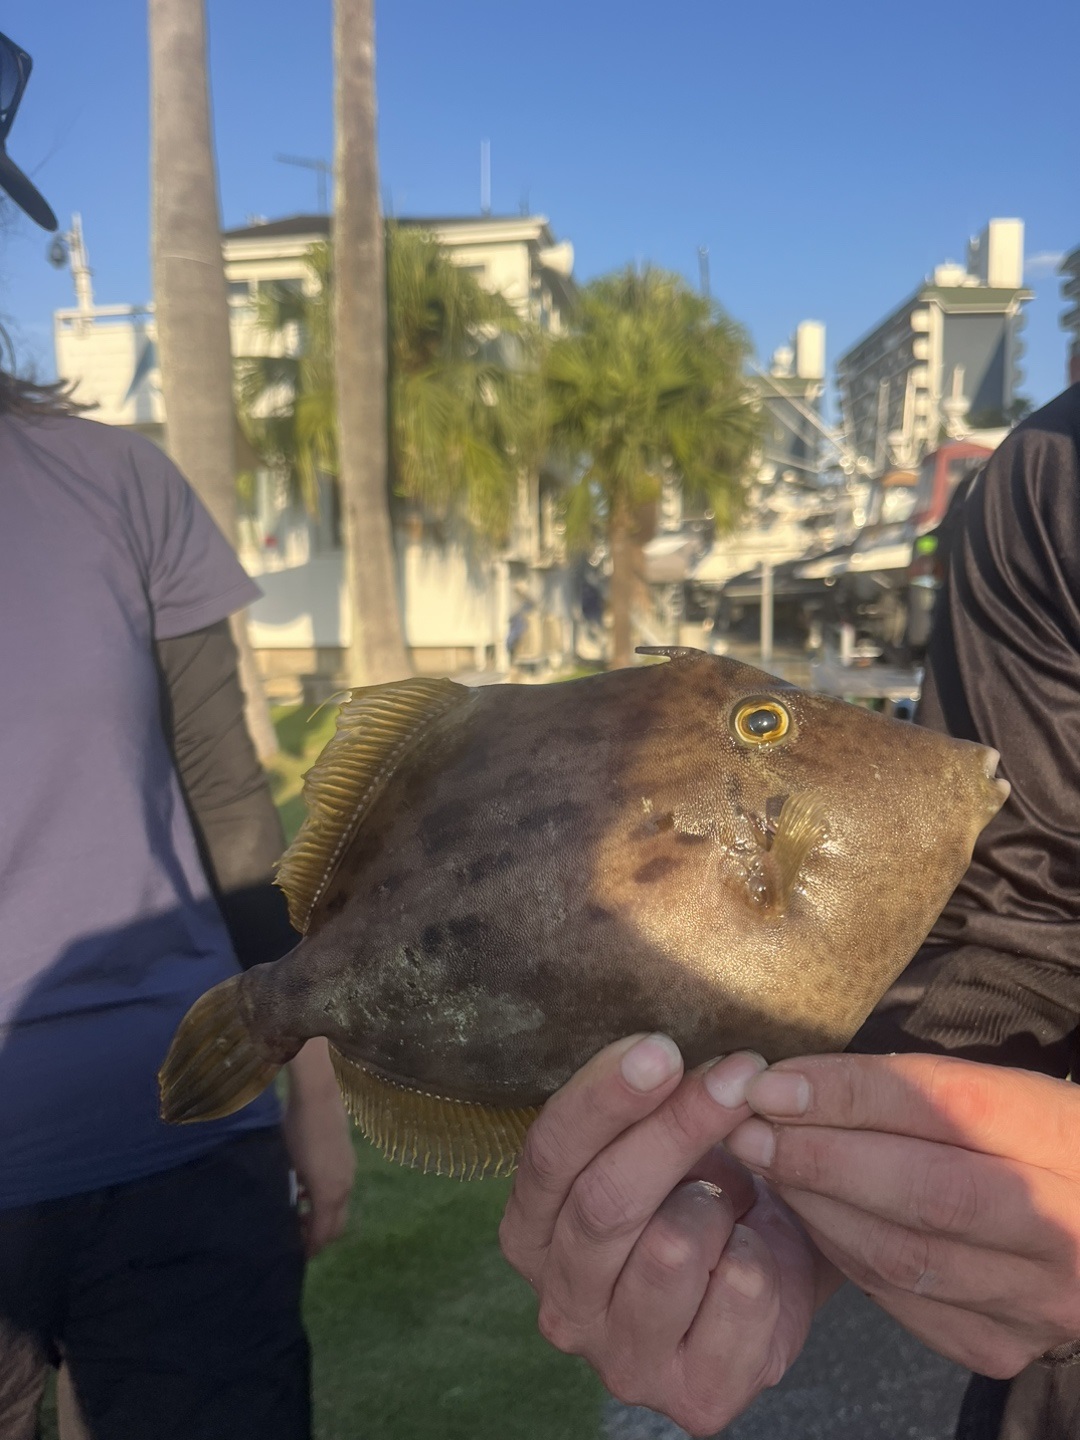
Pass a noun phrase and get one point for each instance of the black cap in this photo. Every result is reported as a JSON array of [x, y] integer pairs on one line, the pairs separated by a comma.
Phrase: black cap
[[15, 67], [28, 197]]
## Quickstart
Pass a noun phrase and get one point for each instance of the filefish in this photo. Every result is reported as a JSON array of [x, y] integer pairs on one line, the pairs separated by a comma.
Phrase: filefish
[[493, 884]]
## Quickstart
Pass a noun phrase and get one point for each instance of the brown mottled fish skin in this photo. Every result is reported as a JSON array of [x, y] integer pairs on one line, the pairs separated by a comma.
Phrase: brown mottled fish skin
[[558, 866]]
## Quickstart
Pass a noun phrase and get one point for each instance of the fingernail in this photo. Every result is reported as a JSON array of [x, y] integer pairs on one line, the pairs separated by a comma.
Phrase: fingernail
[[726, 1081], [753, 1143], [651, 1062], [780, 1093], [739, 1269]]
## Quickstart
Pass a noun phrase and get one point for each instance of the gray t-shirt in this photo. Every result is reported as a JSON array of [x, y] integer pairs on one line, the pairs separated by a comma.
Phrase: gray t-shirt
[[108, 930]]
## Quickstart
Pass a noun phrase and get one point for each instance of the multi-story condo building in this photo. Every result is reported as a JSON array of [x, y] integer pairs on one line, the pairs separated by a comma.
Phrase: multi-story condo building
[[791, 394], [946, 362]]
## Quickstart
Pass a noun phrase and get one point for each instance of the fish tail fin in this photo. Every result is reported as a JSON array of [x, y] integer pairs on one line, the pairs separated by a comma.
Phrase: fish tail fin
[[214, 1065]]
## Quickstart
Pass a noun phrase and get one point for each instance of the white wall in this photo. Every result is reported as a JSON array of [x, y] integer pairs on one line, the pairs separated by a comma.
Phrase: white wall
[[101, 352], [451, 596], [452, 600], [302, 605]]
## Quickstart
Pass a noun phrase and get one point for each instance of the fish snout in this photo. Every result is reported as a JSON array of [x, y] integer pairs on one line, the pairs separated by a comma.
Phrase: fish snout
[[999, 789]]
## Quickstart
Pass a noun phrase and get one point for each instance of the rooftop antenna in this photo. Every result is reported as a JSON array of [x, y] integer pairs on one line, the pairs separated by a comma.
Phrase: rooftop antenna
[[703, 270], [323, 170], [485, 177]]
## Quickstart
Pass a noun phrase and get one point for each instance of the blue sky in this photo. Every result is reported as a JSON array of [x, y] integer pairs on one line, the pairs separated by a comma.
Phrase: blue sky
[[828, 155]]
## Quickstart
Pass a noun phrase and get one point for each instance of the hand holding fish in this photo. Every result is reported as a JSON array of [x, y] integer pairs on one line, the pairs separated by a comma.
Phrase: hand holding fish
[[655, 1257], [319, 1142], [948, 1190]]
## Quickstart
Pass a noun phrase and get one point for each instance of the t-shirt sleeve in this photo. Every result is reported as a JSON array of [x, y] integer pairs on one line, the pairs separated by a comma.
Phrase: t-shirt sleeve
[[191, 572], [1000, 976]]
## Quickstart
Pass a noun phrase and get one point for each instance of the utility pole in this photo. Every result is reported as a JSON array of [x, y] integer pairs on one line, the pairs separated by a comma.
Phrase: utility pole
[[766, 614]]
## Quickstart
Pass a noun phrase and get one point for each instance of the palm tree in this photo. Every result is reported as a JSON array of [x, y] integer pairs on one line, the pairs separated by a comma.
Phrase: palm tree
[[288, 394], [465, 413], [650, 380], [189, 287], [463, 389], [377, 648]]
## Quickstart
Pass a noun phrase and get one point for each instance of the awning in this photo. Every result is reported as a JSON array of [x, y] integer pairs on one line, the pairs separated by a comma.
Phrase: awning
[[882, 557]]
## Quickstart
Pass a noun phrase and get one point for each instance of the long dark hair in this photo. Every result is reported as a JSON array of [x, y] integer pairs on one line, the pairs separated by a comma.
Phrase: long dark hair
[[32, 399]]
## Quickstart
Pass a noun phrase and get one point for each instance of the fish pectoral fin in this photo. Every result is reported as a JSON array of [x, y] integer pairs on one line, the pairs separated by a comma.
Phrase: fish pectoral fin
[[800, 828], [377, 727], [429, 1132]]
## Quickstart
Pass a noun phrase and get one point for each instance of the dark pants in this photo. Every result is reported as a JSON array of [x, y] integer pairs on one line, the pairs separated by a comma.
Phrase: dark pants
[[173, 1301]]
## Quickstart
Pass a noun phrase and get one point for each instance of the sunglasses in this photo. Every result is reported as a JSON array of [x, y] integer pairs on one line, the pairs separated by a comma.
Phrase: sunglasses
[[15, 67]]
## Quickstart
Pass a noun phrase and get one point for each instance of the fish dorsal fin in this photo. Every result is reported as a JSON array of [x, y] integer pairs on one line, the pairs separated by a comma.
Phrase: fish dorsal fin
[[671, 652], [800, 828], [376, 728], [430, 1132]]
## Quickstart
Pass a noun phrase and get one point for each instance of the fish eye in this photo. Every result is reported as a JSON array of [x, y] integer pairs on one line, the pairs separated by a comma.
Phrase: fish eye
[[761, 722]]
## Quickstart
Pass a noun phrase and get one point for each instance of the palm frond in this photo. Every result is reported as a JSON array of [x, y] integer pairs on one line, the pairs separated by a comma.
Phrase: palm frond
[[651, 377]]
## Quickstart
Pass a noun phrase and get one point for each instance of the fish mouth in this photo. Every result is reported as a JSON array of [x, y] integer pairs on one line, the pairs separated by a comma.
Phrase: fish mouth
[[1001, 788]]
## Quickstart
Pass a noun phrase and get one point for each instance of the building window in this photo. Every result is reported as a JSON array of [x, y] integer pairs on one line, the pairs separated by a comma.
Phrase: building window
[[286, 284]]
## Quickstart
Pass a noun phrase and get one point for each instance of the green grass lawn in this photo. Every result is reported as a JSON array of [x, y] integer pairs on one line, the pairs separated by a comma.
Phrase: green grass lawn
[[418, 1326]]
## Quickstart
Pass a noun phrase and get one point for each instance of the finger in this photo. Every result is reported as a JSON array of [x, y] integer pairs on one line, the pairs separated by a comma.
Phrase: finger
[[985, 1108], [728, 1174], [615, 1197], [991, 1345], [919, 1184], [876, 1254], [729, 1354], [616, 1089], [665, 1278], [975, 1341]]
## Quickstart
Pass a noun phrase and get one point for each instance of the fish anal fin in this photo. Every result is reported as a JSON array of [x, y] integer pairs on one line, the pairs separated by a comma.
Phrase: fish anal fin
[[432, 1133], [378, 726], [800, 829]]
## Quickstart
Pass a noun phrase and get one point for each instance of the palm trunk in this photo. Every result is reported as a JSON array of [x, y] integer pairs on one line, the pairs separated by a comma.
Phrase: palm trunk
[[377, 649], [189, 287], [622, 587]]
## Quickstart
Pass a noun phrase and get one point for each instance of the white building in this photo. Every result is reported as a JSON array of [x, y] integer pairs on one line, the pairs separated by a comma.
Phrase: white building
[[945, 362], [459, 598], [787, 508]]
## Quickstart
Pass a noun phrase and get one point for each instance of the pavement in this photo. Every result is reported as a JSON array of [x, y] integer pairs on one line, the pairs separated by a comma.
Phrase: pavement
[[860, 1377]]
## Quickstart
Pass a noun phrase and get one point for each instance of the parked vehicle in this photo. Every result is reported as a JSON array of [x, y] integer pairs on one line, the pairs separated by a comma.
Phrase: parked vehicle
[[887, 590]]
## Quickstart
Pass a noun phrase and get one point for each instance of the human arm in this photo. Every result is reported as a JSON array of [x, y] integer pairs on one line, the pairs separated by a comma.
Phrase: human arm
[[687, 1287], [240, 838], [236, 823]]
